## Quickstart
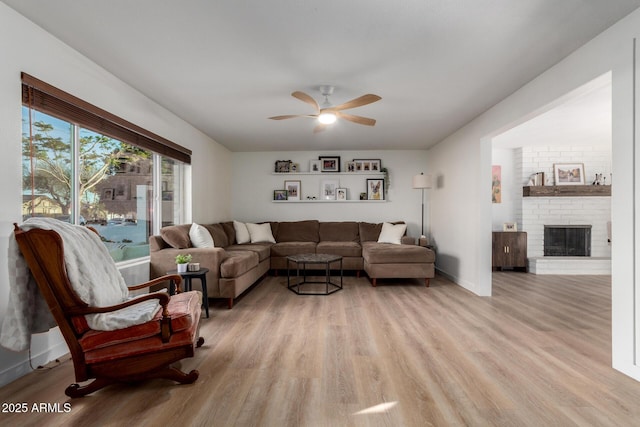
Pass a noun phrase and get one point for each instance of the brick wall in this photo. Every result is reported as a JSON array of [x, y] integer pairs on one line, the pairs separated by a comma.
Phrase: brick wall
[[538, 211]]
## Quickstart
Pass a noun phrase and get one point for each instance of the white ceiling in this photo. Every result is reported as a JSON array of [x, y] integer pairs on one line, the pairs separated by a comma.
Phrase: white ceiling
[[227, 65]]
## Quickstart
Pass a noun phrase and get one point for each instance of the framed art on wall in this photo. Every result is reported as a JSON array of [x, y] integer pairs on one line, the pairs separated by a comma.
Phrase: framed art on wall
[[375, 189], [369, 165], [329, 163], [328, 189], [279, 194], [568, 173], [293, 189]]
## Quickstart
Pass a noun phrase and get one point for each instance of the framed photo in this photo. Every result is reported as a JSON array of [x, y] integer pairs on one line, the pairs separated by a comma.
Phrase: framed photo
[[283, 166], [350, 166], [329, 163], [375, 189], [510, 226], [293, 189], [328, 189], [279, 194], [568, 173], [107, 193], [294, 167], [341, 194], [314, 165], [369, 165]]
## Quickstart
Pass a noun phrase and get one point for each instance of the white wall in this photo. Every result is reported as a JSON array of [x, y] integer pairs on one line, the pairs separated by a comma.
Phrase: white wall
[[253, 185], [461, 221], [26, 47]]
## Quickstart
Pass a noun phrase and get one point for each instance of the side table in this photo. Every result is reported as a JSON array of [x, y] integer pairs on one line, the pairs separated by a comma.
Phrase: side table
[[186, 277]]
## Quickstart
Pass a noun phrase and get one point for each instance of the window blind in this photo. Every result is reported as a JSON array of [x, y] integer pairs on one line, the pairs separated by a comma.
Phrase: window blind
[[51, 100]]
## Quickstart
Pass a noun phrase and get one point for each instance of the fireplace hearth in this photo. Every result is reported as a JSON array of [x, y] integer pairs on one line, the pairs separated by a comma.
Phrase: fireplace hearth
[[567, 240]]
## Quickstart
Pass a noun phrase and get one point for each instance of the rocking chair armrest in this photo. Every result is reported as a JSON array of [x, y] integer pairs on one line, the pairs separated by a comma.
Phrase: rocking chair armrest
[[177, 279], [162, 296]]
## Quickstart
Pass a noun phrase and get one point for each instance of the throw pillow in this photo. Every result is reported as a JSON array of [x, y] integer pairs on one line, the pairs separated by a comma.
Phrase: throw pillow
[[200, 236], [392, 233], [242, 234], [260, 233]]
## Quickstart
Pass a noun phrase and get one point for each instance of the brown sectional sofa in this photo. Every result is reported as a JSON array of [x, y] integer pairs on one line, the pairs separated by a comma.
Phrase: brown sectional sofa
[[235, 267]]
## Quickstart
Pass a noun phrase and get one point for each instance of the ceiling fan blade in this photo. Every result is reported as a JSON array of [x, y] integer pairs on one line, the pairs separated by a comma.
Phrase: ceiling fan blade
[[292, 116], [358, 102], [357, 119], [319, 128], [306, 98]]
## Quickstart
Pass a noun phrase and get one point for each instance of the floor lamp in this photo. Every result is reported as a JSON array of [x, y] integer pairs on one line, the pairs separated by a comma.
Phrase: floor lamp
[[421, 182]]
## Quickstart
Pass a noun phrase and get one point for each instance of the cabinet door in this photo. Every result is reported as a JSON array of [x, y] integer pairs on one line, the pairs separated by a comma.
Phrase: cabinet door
[[509, 249]]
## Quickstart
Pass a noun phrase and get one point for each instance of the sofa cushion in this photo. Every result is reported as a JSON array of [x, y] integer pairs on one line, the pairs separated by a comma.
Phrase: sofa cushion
[[392, 233], [346, 231], [181, 310], [260, 233], [238, 263], [346, 249], [219, 235], [242, 233], [200, 236], [262, 249], [230, 231], [369, 232], [298, 231], [284, 249], [384, 253], [177, 236]]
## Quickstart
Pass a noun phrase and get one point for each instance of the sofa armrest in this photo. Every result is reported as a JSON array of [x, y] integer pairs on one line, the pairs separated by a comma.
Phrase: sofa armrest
[[408, 240], [165, 259]]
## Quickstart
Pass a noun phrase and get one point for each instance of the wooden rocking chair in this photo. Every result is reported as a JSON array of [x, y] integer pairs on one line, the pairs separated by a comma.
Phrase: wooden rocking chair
[[126, 355]]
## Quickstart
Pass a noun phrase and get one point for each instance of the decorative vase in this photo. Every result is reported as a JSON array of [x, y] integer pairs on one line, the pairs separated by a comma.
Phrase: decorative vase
[[182, 268]]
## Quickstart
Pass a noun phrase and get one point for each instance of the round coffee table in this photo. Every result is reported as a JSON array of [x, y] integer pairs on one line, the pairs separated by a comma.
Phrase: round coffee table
[[302, 262]]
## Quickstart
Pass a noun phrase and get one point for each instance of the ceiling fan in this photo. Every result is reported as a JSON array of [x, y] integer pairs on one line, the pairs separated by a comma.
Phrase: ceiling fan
[[327, 114]]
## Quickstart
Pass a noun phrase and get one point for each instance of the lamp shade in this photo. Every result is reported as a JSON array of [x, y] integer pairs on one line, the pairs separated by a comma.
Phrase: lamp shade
[[422, 181]]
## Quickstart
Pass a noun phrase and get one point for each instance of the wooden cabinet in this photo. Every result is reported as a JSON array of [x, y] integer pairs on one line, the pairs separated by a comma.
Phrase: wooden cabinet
[[509, 250]]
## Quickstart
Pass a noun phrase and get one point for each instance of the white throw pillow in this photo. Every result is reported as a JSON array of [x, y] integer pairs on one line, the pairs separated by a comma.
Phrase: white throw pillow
[[260, 233], [200, 236], [392, 233], [242, 234]]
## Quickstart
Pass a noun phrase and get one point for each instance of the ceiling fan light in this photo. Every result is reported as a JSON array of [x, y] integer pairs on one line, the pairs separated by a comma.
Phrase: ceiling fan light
[[327, 118]]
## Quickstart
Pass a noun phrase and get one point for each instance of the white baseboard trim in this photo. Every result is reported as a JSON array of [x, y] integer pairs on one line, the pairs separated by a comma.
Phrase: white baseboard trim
[[22, 368], [465, 284]]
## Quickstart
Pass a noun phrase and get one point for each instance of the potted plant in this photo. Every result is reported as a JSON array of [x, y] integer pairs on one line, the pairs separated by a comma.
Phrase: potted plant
[[182, 260]]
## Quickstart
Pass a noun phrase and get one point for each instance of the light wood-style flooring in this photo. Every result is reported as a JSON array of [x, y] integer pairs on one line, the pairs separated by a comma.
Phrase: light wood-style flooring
[[537, 353]]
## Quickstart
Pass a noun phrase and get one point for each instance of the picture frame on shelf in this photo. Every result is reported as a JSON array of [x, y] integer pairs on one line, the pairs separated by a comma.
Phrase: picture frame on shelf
[[293, 189], [283, 166], [370, 165], [375, 189], [294, 167], [341, 194], [350, 166], [314, 165], [328, 189], [280, 195], [510, 226], [568, 173], [329, 163]]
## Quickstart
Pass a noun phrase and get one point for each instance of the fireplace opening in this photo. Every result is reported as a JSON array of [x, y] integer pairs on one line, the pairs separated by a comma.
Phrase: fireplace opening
[[567, 240]]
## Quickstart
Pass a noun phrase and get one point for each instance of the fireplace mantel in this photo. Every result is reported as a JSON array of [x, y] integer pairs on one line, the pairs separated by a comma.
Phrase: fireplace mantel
[[566, 191]]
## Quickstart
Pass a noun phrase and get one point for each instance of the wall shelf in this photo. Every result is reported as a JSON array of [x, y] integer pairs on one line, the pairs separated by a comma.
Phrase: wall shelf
[[329, 174], [566, 191], [328, 201]]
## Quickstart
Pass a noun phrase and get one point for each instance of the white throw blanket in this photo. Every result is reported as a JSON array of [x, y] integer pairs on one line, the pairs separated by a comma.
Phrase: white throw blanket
[[93, 276]]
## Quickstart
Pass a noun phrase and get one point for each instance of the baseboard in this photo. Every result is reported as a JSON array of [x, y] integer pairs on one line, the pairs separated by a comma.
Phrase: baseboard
[[23, 367], [463, 283]]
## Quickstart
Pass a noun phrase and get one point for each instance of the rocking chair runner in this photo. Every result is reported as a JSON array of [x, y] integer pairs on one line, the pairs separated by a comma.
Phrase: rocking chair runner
[[134, 353]]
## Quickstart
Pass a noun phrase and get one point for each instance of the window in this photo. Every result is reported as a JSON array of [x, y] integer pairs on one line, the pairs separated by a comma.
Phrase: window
[[75, 173]]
